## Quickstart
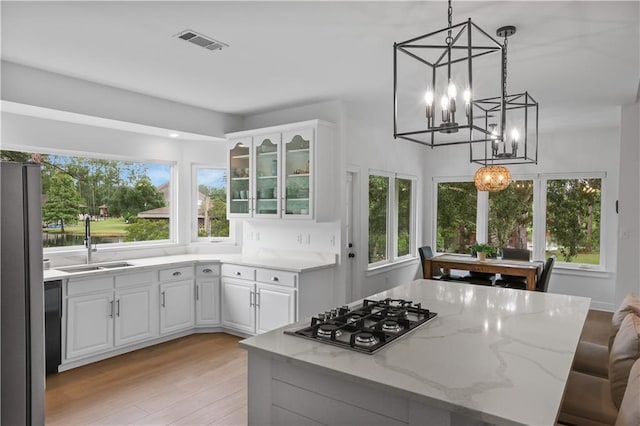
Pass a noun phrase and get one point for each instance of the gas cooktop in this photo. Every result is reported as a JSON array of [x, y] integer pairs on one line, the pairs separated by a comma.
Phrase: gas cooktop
[[368, 327]]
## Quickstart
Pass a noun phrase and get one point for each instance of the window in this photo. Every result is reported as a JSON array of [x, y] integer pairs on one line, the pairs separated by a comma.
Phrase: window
[[511, 216], [566, 210], [126, 201], [391, 217], [573, 220], [456, 216], [211, 203]]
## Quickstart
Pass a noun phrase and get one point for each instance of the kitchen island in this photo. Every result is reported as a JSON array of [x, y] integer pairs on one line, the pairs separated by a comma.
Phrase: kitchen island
[[492, 355]]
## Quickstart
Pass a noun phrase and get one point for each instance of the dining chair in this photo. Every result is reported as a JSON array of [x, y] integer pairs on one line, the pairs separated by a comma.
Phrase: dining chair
[[426, 253], [543, 282], [513, 281]]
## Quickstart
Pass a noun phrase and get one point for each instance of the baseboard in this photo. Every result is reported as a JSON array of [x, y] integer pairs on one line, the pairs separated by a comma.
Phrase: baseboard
[[602, 306]]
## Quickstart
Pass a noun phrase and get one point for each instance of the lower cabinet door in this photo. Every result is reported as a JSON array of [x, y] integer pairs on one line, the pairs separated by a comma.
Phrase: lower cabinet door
[[176, 306], [134, 315], [275, 307], [208, 301], [89, 324], [237, 302]]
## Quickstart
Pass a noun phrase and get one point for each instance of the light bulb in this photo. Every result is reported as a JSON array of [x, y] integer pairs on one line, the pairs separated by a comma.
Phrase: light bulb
[[467, 96], [451, 90], [515, 135], [444, 103], [428, 97]]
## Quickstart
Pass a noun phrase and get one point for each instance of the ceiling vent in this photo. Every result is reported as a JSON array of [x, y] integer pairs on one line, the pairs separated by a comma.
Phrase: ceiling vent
[[200, 40]]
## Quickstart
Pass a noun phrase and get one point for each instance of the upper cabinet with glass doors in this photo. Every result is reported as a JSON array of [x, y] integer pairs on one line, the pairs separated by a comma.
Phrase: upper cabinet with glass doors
[[284, 171]]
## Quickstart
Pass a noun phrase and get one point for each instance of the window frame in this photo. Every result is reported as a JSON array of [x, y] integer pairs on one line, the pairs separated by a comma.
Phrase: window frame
[[195, 238], [173, 210], [539, 214], [392, 219]]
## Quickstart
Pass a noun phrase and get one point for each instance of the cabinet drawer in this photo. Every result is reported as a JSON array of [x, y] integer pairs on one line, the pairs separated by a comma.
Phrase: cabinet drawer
[[273, 276], [208, 270], [89, 285], [180, 273], [236, 271], [134, 279]]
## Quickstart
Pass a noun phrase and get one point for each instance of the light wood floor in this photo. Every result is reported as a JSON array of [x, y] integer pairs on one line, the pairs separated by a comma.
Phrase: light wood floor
[[196, 380]]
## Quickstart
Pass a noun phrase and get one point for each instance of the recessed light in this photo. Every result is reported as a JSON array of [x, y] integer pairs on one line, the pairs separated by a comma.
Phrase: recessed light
[[174, 135]]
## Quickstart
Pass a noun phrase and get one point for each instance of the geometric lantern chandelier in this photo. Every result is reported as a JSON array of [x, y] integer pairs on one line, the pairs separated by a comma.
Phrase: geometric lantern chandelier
[[512, 120], [436, 79]]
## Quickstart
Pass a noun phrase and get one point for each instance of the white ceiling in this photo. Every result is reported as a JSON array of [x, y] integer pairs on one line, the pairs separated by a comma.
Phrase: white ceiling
[[581, 57]]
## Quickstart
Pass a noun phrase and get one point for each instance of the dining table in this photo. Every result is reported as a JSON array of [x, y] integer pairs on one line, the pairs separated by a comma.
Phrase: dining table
[[529, 270]]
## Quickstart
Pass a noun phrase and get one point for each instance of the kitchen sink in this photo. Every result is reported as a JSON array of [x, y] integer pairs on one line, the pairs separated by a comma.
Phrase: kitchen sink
[[96, 267], [115, 265]]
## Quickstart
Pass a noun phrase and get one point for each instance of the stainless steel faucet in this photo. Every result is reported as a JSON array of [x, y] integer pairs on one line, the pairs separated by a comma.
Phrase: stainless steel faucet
[[87, 237]]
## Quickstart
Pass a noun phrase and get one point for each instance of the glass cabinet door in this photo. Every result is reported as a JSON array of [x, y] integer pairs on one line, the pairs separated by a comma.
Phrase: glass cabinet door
[[298, 173], [266, 160], [240, 178]]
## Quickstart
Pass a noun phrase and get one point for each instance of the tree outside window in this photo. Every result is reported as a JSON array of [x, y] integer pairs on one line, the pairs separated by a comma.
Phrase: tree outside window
[[404, 196], [378, 203], [456, 216], [211, 209], [511, 216], [573, 219]]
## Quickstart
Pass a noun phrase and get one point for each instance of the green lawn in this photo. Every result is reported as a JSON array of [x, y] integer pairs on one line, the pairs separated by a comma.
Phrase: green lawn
[[585, 258], [107, 227]]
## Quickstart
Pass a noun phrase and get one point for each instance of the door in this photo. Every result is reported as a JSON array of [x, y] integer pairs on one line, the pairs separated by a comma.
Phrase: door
[[208, 301], [133, 315], [89, 324], [238, 311], [275, 307], [176, 306], [266, 176]]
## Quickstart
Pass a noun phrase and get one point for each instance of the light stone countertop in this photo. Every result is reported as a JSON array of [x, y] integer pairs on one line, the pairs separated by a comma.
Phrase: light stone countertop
[[499, 355], [291, 264]]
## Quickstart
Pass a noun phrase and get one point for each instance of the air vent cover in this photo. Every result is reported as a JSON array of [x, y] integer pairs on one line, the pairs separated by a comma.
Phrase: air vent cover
[[201, 40]]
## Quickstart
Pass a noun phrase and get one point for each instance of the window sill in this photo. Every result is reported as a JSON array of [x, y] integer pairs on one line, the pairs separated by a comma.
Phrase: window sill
[[390, 266], [75, 250], [578, 271]]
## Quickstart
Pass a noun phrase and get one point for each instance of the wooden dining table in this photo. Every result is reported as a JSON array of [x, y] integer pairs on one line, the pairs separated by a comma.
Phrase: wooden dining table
[[529, 270]]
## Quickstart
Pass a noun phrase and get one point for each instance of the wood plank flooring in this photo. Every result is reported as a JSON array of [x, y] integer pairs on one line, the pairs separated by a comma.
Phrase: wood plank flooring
[[196, 380]]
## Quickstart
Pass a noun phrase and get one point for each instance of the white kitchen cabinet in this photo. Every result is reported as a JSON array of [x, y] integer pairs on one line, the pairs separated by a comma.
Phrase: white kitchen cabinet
[[275, 306], [109, 311], [89, 324], [283, 172], [176, 306], [238, 311], [134, 315], [207, 295], [255, 307]]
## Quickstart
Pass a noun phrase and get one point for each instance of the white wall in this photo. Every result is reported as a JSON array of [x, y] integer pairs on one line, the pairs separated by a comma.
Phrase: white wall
[[628, 273], [31, 86], [568, 150]]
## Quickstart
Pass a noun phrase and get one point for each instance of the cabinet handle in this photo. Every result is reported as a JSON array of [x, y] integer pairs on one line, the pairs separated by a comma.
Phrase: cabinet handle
[[276, 279], [238, 273], [197, 292], [118, 307], [250, 298], [177, 274], [163, 299], [111, 309], [257, 299], [207, 271]]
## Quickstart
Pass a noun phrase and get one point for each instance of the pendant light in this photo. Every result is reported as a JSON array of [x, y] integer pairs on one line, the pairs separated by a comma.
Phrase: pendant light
[[515, 136], [433, 86]]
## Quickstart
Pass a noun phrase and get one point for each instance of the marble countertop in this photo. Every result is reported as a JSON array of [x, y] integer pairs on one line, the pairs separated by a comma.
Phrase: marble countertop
[[291, 264], [499, 355]]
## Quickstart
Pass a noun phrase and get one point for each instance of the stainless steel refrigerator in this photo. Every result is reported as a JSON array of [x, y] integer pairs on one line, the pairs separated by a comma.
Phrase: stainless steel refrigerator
[[22, 296]]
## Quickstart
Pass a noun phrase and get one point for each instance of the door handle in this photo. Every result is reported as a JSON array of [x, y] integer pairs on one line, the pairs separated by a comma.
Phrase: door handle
[[111, 309], [118, 307], [197, 292], [275, 279], [250, 298], [177, 274], [237, 273], [163, 299], [352, 255], [257, 299], [207, 271]]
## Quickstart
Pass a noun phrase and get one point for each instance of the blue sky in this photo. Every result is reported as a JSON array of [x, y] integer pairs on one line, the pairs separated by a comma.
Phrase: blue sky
[[212, 177], [158, 173]]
